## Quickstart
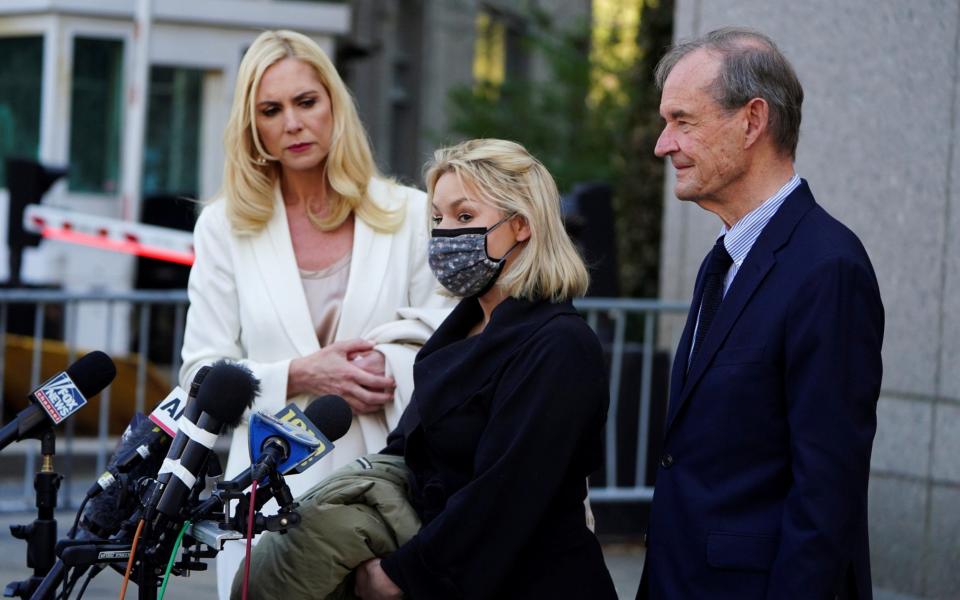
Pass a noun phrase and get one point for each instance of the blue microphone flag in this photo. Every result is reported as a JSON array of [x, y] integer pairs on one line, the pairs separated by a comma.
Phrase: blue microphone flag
[[307, 443]]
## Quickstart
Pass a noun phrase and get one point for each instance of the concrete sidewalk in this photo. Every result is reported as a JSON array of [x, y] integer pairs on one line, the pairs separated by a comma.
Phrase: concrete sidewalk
[[624, 562]]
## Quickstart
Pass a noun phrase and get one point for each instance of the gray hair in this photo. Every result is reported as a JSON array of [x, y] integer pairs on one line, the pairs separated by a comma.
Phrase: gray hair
[[752, 67]]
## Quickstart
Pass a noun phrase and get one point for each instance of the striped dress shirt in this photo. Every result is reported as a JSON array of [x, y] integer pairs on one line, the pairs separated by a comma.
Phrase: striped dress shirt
[[741, 237]]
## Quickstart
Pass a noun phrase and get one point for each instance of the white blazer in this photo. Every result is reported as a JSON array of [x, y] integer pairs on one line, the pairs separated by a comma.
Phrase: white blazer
[[247, 304]]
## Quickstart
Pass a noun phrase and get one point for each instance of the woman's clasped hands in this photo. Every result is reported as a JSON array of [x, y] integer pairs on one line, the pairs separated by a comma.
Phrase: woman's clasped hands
[[349, 368]]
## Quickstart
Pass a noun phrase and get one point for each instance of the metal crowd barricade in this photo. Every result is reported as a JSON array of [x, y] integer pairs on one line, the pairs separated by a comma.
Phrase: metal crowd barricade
[[141, 302], [620, 322], [618, 311]]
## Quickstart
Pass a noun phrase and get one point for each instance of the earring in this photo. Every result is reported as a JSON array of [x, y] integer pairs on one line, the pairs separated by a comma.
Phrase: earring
[[261, 161]]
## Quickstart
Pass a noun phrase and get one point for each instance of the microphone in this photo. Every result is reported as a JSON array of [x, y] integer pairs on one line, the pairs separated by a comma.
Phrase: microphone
[[228, 389], [111, 500], [138, 455], [291, 442], [148, 437], [330, 414], [60, 396], [169, 411], [326, 420]]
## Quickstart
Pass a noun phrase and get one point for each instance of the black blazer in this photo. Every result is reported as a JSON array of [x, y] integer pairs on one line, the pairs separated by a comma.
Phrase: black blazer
[[500, 435]]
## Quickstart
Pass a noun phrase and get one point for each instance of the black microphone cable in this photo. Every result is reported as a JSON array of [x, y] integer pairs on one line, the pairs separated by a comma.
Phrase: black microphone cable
[[71, 581], [93, 572], [76, 519]]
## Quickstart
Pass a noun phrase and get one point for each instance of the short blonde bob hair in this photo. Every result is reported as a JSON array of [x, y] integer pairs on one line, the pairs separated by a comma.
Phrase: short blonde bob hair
[[248, 184], [504, 174]]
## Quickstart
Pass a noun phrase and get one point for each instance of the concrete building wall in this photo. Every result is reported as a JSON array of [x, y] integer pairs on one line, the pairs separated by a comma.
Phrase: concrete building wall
[[878, 145], [410, 55]]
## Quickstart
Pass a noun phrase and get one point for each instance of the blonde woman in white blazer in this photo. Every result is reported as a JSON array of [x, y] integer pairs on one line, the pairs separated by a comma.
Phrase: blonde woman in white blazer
[[302, 196]]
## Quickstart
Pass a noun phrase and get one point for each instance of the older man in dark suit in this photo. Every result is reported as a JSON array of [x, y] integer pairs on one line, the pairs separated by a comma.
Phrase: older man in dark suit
[[762, 487]]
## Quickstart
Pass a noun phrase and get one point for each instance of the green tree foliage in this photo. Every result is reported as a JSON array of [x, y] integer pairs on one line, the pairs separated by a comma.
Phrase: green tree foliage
[[582, 136], [639, 199]]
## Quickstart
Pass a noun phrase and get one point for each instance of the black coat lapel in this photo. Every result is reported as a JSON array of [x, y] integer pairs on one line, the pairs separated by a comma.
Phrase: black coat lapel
[[451, 368]]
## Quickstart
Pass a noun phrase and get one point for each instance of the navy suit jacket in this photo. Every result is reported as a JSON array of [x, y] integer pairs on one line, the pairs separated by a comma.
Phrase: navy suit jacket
[[762, 485]]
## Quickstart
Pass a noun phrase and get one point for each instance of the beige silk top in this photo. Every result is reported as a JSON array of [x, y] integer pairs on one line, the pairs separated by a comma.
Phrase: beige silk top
[[325, 290]]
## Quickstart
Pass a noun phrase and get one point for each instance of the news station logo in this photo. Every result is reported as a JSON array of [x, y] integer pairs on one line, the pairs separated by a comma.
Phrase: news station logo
[[169, 411], [60, 397], [293, 416]]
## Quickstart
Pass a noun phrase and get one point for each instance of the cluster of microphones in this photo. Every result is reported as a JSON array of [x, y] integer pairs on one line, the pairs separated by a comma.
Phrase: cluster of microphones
[[154, 497]]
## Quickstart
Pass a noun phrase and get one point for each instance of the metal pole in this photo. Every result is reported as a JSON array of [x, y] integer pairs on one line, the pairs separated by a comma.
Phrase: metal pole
[[3, 352], [616, 367], [178, 325], [142, 347], [592, 320], [646, 377], [103, 425], [70, 313], [135, 126], [30, 464]]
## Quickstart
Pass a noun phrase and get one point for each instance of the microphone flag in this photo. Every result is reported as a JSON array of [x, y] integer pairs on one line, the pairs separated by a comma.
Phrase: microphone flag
[[307, 443], [60, 397], [169, 411]]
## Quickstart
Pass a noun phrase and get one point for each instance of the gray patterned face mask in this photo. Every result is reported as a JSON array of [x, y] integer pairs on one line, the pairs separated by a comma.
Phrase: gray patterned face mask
[[459, 259]]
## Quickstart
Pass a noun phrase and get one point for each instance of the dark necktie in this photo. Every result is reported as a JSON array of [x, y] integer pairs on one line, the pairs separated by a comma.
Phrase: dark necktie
[[717, 266]]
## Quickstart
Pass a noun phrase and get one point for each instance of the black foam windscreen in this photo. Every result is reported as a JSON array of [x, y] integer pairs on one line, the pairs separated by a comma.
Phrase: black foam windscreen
[[228, 389], [92, 373], [108, 510], [331, 414]]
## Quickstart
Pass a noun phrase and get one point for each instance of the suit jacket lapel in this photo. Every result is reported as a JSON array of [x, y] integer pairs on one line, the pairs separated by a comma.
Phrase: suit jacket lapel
[[277, 263], [680, 361], [759, 261], [371, 252]]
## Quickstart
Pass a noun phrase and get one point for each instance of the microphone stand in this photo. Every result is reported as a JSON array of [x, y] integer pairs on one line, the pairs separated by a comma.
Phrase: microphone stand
[[41, 535], [153, 552], [151, 556], [226, 491]]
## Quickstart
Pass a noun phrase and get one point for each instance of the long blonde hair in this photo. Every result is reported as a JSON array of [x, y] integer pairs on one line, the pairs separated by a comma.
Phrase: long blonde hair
[[516, 183], [248, 185]]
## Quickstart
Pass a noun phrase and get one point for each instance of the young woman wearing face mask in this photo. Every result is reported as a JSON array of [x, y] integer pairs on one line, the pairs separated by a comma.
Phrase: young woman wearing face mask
[[510, 400]]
